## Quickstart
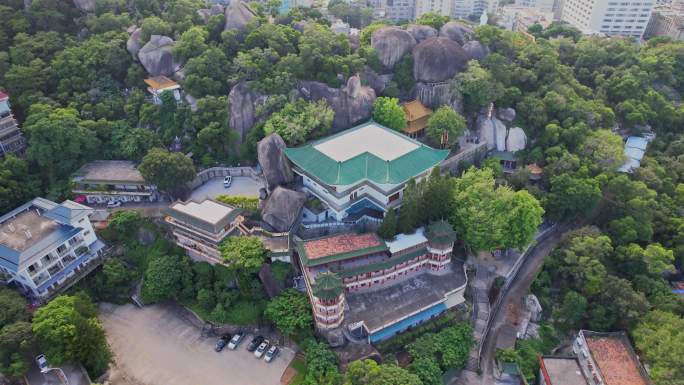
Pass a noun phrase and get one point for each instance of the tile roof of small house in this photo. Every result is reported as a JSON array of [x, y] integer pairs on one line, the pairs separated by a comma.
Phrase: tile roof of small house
[[415, 110], [338, 247], [161, 82], [327, 286], [365, 152], [615, 359]]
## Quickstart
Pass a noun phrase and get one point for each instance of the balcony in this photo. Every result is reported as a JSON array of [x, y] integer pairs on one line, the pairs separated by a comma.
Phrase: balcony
[[73, 271]]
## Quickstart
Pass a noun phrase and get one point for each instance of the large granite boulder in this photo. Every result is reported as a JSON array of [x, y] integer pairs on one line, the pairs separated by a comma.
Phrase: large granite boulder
[[516, 139], [243, 103], [133, 43], [492, 131], [282, 208], [157, 58], [457, 32], [238, 15], [376, 81], [438, 59], [391, 44], [207, 13], [421, 32], [475, 50], [85, 5], [434, 95], [274, 163], [352, 103], [300, 25], [507, 115]]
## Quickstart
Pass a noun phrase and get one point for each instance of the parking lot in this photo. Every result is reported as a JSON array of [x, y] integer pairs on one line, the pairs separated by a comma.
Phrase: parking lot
[[154, 346], [242, 185]]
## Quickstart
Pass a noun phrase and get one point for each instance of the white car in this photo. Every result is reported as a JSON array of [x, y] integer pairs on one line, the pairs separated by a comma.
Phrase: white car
[[259, 352], [227, 181], [235, 341], [113, 204], [271, 353], [42, 363]]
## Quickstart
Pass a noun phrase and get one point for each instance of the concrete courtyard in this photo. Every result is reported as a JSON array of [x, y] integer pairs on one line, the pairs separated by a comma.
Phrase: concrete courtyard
[[242, 185], [155, 346]]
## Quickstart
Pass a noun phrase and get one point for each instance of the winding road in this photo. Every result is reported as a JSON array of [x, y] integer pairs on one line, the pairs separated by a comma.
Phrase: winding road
[[512, 297]]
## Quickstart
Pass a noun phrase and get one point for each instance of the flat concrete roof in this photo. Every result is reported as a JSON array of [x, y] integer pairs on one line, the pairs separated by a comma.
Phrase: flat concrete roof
[[563, 371], [371, 138], [110, 171], [404, 241], [384, 306], [13, 232], [207, 211]]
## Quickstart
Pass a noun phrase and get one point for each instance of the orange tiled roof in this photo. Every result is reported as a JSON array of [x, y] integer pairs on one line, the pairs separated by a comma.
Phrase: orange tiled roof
[[160, 82], [415, 110], [534, 169], [616, 361], [340, 244]]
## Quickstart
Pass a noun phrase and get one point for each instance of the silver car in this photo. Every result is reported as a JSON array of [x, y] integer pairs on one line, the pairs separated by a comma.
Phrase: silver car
[[259, 352], [271, 353]]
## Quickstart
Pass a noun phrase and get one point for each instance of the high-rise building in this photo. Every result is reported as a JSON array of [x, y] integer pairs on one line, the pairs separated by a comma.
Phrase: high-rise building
[[473, 9], [442, 7], [11, 139], [667, 20], [540, 5], [399, 9], [612, 18]]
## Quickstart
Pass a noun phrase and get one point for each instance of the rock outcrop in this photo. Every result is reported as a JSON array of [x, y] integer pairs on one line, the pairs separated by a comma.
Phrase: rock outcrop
[[493, 132], [421, 32], [506, 114], [375, 81], [85, 5], [207, 13], [238, 15], [133, 43], [275, 166], [475, 50], [156, 56], [516, 139], [243, 105], [434, 95], [282, 208], [438, 59], [457, 32], [352, 103], [391, 44]]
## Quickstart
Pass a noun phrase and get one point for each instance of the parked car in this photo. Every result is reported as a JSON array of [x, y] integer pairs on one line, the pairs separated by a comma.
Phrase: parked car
[[235, 341], [256, 341], [227, 181], [113, 204], [42, 363], [259, 352], [222, 342], [271, 353]]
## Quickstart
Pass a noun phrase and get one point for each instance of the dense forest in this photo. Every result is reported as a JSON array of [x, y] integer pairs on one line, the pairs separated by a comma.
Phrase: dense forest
[[79, 95]]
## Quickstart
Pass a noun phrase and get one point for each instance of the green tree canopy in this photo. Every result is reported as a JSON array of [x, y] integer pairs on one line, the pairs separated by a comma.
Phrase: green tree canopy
[[389, 113], [369, 372], [445, 126], [167, 277], [68, 330], [167, 170], [290, 312], [245, 253], [660, 337], [300, 121]]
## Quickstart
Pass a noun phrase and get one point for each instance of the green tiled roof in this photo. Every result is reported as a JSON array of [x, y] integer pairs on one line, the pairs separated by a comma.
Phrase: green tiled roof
[[440, 233], [382, 265], [327, 286], [338, 257], [365, 165]]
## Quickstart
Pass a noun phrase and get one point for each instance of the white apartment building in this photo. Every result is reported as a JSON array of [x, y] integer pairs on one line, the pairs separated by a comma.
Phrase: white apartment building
[[540, 5], [442, 7], [464, 9], [46, 247], [609, 17], [399, 9]]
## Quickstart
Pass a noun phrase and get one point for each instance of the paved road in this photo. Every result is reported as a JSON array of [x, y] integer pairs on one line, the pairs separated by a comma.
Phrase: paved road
[[518, 289], [154, 346], [73, 373]]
